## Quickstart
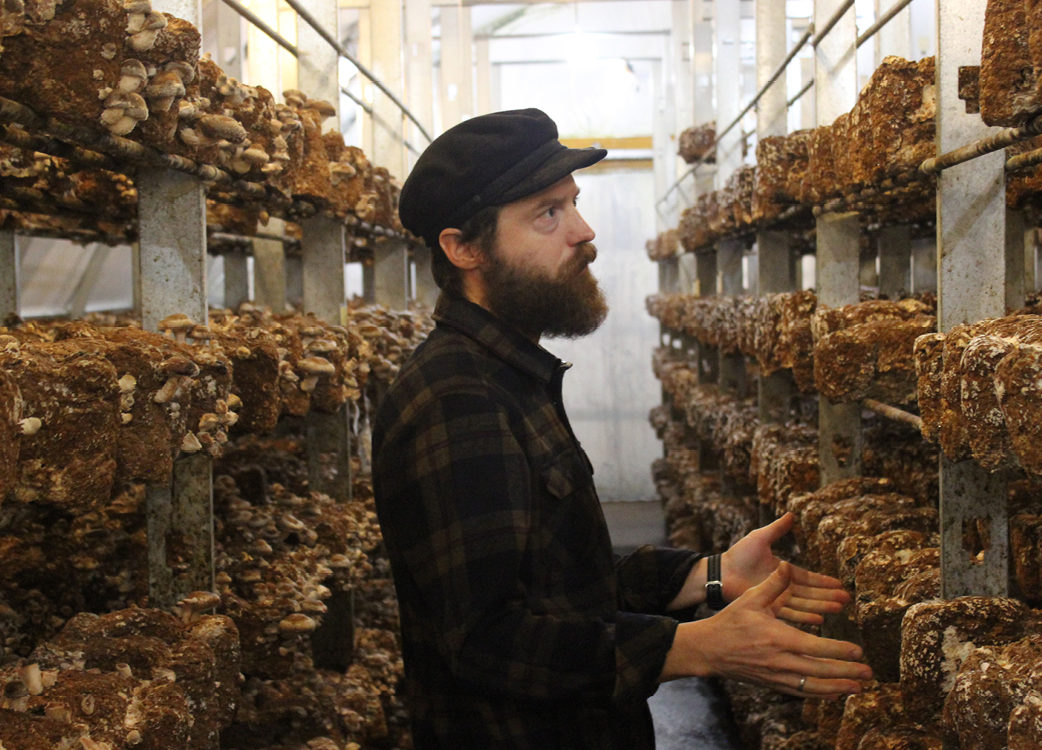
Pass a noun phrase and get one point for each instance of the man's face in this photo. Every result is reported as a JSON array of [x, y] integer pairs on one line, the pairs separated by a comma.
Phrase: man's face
[[537, 278]]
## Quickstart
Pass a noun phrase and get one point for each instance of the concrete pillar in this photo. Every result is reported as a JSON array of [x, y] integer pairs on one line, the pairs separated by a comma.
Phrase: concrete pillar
[[894, 244], [10, 273], [391, 273], [419, 69], [971, 278], [727, 62], [236, 278], [318, 63], [771, 112], [171, 278], [269, 267], [456, 91], [386, 27], [323, 254]]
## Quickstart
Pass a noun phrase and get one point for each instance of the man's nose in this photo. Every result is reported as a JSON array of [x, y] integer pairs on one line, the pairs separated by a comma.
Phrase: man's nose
[[581, 231]]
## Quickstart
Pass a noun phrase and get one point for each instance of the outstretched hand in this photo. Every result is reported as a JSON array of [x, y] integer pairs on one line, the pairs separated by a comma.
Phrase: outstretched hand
[[750, 561], [746, 641]]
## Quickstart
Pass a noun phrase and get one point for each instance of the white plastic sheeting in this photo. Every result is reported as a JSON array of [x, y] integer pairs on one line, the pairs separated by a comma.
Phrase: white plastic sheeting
[[610, 388], [52, 270]]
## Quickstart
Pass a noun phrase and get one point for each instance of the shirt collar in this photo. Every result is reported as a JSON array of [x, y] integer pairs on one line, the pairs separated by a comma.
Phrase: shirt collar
[[496, 336]]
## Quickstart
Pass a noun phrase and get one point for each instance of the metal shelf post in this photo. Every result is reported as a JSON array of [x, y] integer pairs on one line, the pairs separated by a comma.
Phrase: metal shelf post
[[269, 267], [10, 271], [837, 256], [171, 262], [971, 259]]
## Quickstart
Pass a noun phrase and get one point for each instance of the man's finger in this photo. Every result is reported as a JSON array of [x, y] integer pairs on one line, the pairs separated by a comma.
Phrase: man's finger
[[809, 604], [779, 528], [805, 577], [770, 588]]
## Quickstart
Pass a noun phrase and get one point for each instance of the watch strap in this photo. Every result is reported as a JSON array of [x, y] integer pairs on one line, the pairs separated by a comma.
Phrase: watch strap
[[714, 584]]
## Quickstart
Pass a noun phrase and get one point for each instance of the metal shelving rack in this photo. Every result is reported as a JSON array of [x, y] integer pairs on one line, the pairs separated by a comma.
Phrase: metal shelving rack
[[170, 263], [978, 257]]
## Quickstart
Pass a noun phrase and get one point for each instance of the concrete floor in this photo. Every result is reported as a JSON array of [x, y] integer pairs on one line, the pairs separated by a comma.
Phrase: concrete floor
[[690, 713]]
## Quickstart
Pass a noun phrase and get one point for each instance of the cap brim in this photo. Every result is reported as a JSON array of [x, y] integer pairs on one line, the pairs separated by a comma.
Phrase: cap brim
[[558, 166]]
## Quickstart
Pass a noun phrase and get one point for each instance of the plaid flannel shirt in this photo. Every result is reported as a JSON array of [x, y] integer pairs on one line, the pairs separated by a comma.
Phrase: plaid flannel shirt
[[520, 627]]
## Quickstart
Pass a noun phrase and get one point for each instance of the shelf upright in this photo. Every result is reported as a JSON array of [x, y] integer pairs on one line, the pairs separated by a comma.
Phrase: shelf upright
[[323, 248], [171, 278], [269, 267], [837, 255], [390, 254], [323, 257], [729, 252], [894, 246], [775, 262], [10, 273], [972, 280], [236, 277], [708, 357]]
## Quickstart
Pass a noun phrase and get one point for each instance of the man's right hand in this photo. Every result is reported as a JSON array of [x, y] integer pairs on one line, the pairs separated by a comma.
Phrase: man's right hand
[[747, 642]]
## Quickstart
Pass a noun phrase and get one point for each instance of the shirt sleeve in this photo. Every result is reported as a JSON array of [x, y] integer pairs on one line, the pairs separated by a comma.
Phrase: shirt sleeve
[[456, 507], [651, 577]]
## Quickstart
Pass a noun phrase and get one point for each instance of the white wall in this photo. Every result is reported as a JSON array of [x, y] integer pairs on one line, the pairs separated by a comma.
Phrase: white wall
[[610, 388]]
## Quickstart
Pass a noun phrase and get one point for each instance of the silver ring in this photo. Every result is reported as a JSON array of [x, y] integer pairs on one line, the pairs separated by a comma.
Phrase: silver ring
[[803, 682]]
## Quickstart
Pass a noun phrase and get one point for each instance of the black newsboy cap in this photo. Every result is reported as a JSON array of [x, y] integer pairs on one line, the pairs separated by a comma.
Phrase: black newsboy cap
[[489, 160]]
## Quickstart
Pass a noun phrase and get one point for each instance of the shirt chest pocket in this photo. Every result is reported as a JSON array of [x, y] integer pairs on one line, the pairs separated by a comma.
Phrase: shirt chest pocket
[[571, 550], [566, 473]]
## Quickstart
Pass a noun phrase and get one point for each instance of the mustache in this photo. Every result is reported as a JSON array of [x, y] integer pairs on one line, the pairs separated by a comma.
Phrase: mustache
[[586, 252]]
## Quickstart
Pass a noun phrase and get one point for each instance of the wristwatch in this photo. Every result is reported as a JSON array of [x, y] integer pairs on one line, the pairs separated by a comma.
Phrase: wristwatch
[[714, 584]]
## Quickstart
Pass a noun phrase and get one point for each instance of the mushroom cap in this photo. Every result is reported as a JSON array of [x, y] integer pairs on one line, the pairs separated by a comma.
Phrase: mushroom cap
[[295, 96], [201, 333], [178, 365], [118, 100], [222, 126], [342, 168], [321, 106], [297, 623], [256, 155], [138, 108], [322, 346], [165, 83], [317, 366], [198, 600], [190, 443], [156, 20], [182, 68], [133, 67], [176, 322]]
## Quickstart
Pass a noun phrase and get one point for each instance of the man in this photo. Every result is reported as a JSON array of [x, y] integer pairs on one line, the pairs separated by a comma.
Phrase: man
[[519, 627]]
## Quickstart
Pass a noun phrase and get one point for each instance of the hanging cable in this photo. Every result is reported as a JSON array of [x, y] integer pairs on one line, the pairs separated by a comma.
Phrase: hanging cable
[[292, 49], [367, 108], [832, 21], [883, 21], [755, 100], [796, 97], [256, 20], [332, 41]]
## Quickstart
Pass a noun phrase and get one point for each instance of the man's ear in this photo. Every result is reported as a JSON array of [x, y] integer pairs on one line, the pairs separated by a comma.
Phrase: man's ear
[[464, 255]]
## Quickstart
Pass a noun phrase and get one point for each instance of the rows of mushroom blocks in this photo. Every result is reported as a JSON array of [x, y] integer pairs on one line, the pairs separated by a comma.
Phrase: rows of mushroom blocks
[[124, 69], [281, 550], [87, 407], [869, 158], [900, 528]]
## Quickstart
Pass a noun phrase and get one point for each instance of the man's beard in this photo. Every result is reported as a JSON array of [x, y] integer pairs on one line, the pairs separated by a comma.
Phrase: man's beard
[[569, 306]]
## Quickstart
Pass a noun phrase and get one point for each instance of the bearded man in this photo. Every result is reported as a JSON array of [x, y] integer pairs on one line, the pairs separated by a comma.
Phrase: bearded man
[[520, 628]]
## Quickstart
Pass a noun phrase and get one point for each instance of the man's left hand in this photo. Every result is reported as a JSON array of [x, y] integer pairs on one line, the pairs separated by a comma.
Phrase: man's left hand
[[751, 560]]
